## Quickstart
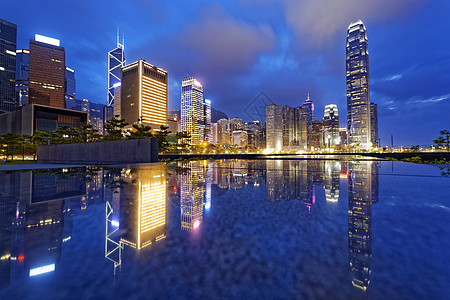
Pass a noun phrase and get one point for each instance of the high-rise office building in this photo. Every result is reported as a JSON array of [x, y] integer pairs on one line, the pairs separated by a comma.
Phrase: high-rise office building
[[192, 110], [144, 95], [224, 131], [117, 112], [305, 125], [317, 132], [374, 124], [288, 125], [8, 37], [70, 85], [310, 104], [274, 127], [47, 72], [116, 61], [208, 136], [358, 87], [331, 125], [22, 68]]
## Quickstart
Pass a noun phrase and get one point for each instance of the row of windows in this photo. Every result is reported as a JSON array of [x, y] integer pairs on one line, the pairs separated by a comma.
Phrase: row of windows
[[129, 72]]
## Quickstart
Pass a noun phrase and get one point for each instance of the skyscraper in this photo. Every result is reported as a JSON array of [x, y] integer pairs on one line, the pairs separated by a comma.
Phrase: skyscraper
[[317, 134], [310, 104], [305, 125], [192, 110], [144, 94], [288, 125], [47, 72], [274, 127], [70, 85], [331, 125], [22, 67], [374, 124], [8, 37], [208, 135], [358, 89], [116, 60]]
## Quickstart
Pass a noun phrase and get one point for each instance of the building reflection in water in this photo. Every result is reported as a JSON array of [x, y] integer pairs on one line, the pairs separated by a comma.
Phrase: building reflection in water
[[36, 218], [362, 193], [140, 217], [192, 194]]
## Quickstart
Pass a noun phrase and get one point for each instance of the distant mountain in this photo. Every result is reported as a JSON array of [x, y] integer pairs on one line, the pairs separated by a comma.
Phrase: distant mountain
[[216, 115]]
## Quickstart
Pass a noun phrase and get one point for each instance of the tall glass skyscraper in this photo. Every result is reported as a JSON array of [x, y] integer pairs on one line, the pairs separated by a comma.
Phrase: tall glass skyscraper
[[8, 37], [374, 124], [192, 110], [331, 125], [116, 60], [274, 127], [358, 91], [208, 136], [22, 68]]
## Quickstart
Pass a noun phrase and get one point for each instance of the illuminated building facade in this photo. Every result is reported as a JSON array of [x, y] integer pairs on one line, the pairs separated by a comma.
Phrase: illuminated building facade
[[144, 95], [310, 104], [47, 72], [22, 67], [317, 134], [116, 60], [374, 124], [274, 127], [358, 88], [117, 112], [331, 125], [305, 126], [192, 110], [143, 208], [224, 131], [8, 38], [69, 86], [208, 135], [288, 125], [343, 136]]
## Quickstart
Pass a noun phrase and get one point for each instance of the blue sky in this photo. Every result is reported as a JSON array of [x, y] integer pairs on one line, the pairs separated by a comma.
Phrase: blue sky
[[287, 48]]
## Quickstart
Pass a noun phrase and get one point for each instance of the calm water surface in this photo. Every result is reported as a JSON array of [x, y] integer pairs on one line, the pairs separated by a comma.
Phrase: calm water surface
[[284, 229]]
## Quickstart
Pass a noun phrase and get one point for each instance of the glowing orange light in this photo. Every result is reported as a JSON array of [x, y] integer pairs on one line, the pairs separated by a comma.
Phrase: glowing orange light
[[174, 187], [175, 119], [21, 257]]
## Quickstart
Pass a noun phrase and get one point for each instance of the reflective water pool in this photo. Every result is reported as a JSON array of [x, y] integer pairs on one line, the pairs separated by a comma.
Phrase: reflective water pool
[[286, 229]]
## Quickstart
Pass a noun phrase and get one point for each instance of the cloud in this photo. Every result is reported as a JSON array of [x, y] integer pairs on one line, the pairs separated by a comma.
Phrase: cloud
[[393, 77], [433, 99], [317, 22], [224, 43]]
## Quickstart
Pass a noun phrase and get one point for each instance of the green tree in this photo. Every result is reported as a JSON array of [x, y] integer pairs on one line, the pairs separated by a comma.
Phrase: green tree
[[39, 138], [114, 129], [87, 133], [161, 135], [65, 135], [140, 131], [443, 140], [24, 142], [9, 143], [415, 148]]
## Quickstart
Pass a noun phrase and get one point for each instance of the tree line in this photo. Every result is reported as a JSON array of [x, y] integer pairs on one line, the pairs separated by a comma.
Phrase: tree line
[[14, 144]]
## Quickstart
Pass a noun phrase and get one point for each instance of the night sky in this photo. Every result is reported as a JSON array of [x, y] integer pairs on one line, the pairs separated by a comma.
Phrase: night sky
[[287, 48]]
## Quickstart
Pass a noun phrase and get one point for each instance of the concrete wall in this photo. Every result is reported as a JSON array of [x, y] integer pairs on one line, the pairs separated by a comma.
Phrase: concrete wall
[[114, 152]]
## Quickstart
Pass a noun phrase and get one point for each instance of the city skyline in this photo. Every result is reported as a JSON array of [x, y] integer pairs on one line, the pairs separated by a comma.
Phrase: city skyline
[[304, 61]]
